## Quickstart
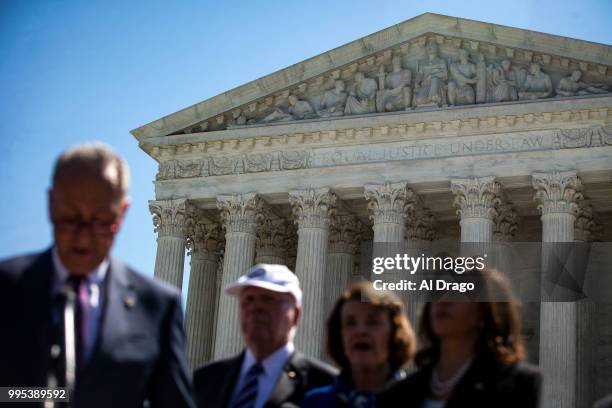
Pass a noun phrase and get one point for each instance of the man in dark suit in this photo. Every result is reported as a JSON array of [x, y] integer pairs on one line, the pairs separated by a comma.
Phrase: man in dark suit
[[270, 372], [74, 316]]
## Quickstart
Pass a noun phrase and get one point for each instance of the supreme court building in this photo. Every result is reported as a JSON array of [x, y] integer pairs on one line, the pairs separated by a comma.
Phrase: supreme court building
[[437, 127]]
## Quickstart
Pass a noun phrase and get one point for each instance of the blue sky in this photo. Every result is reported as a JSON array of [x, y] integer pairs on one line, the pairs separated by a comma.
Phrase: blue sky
[[93, 70]]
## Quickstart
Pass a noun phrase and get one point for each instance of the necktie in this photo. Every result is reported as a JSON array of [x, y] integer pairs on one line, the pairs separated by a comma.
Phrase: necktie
[[248, 393], [81, 317]]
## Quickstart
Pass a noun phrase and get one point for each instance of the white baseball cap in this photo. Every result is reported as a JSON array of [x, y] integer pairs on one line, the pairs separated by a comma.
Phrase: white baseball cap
[[277, 278]]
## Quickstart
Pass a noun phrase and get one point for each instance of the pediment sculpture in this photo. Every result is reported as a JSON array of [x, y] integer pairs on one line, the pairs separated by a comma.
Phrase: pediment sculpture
[[440, 75]]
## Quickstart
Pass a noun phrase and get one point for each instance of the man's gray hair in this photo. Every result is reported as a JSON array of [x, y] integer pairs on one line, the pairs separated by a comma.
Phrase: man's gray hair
[[95, 157]]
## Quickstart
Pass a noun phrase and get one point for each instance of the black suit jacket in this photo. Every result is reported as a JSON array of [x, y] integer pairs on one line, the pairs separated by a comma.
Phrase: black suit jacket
[[215, 382], [486, 384], [139, 353]]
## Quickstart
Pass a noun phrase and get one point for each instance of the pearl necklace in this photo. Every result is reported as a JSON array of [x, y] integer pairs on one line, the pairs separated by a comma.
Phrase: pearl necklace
[[441, 388]]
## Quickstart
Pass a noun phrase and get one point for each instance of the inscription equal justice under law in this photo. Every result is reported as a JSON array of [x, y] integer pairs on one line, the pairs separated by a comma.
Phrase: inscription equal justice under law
[[471, 145], [385, 152]]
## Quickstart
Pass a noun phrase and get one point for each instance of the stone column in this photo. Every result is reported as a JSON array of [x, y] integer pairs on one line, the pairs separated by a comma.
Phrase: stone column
[[388, 204], [585, 229], [557, 194], [218, 279], [504, 227], [345, 233], [169, 222], [312, 209], [202, 242], [271, 239], [475, 200], [238, 215], [420, 230]]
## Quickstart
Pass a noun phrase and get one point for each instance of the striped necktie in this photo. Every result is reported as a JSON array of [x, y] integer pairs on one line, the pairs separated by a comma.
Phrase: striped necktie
[[248, 393]]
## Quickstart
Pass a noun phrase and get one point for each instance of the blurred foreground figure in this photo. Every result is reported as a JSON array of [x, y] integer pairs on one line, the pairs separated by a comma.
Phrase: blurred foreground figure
[[270, 372], [75, 317], [370, 337], [471, 354]]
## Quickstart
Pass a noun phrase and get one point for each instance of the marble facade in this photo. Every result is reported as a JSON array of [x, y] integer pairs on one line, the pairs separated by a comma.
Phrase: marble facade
[[436, 127]]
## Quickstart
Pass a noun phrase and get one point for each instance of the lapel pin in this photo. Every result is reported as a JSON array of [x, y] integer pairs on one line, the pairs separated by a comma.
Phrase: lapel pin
[[291, 374], [129, 301]]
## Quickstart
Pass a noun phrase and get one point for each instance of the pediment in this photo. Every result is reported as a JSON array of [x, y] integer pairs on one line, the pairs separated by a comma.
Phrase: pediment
[[372, 82]]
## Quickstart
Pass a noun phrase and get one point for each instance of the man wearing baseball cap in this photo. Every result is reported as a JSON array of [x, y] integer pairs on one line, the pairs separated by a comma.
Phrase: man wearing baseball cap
[[269, 372]]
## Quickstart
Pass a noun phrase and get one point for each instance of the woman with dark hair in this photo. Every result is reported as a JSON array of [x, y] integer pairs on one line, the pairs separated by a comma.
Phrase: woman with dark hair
[[471, 354], [370, 338]]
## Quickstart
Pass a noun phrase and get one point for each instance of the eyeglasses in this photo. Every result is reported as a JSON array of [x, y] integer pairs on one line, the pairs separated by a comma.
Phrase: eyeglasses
[[96, 227]]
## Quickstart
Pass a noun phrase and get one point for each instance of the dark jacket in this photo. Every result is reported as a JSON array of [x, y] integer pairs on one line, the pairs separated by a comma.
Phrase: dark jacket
[[139, 352], [214, 383], [341, 394], [485, 384]]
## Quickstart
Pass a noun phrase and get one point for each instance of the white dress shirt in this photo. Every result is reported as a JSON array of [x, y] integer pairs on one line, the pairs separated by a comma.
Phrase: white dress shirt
[[272, 369], [95, 285]]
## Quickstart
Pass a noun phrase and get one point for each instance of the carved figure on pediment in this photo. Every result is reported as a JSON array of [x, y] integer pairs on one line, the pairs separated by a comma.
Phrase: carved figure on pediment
[[571, 86], [394, 92], [537, 85], [432, 74], [481, 79], [460, 87], [503, 82], [297, 110], [333, 101], [362, 98]]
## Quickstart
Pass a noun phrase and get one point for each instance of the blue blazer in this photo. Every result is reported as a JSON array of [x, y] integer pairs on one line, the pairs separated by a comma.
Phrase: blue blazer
[[139, 353]]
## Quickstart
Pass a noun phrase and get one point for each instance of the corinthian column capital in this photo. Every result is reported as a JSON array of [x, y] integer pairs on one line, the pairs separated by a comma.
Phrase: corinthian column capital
[[345, 234], [585, 227], [389, 203], [239, 212], [313, 207], [272, 233], [506, 223], [476, 197], [168, 217], [557, 192], [421, 225], [203, 239]]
